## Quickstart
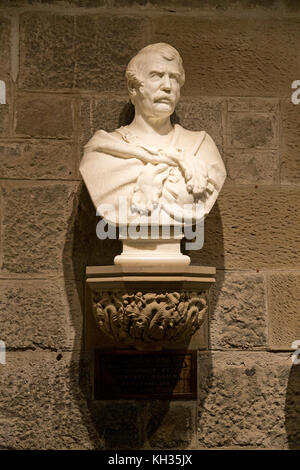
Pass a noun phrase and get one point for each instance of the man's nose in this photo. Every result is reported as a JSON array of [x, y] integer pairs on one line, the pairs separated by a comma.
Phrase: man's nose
[[166, 83]]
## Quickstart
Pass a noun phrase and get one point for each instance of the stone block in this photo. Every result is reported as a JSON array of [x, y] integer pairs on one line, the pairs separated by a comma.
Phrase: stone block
[[172, 426], [5, 25], [47, 160], [85, 127], [86, 51], [63, 3], [290, 149], [109, 113], [202, 114], [250, 130], [252, 166], [40, 314], [232, 56], [253, 104], [252, 228], [238, 312], [4, 120], [103, 47], [44, 116], [248, 400], [47, 58], [44, 403], [284, 309], [36, 217]]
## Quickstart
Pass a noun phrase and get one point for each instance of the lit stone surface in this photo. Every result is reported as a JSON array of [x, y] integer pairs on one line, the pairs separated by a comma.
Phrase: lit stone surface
[[202, 113], [42, 403], [37, 214], [5, 46], [290, 150], [44, 116], [4, 120], [234, 56], [249, 130], [40, 314], [251, 228], [49, 160], [248, 400], [246, 166], [90, 52], [238, 316], [284, 309]]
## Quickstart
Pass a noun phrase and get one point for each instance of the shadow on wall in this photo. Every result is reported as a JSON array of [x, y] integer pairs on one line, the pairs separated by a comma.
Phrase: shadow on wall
[[126, 424], [292, 408]]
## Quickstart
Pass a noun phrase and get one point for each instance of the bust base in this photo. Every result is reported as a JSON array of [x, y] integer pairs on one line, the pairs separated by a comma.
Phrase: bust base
[[152, 253]]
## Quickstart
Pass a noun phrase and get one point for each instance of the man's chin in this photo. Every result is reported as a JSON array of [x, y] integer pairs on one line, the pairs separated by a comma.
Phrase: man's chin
[[164, 109]]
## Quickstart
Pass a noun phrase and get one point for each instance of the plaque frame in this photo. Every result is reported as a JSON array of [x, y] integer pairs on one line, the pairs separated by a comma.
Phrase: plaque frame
[[102, 390]]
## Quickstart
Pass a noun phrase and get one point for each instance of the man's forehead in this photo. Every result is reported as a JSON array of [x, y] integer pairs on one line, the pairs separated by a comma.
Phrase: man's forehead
[[155, 62]]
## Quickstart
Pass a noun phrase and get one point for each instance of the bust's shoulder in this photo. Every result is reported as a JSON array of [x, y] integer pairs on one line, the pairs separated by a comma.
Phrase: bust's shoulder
[[189, 139], [99, 137]]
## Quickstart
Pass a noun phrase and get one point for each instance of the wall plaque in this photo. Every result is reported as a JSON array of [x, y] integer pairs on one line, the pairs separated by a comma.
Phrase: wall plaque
[[133, 374]]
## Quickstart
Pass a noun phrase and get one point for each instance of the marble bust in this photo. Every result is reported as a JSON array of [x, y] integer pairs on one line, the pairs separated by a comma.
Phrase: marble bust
[[151, 165]]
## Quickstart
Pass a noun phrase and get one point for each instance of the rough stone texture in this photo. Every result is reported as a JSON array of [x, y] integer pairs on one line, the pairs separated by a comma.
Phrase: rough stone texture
[[4, 119], [251, 228], [34, 226], [253, 104], [44, 403], [249, 130], [63, 3], [238, 317], [110, 113], [5, 46], [252, 123], [171, 5], [40, 314], [284, 309], [290, 150], [46, 51], [89, 52], [248, 400], [44, 116], [234, 56], [171, 428], [51, 160], [246, 166], [213, 5], [118, 424], [202, 114], [103, 49]]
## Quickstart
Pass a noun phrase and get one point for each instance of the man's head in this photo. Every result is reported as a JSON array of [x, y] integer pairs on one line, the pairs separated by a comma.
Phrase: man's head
[[154, 78]]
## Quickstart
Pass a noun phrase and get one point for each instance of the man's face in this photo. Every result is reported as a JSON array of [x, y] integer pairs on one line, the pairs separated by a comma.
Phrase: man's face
[[159, 93]]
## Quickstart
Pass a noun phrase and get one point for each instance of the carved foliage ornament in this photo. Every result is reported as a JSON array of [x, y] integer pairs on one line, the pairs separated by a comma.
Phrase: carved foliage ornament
[[149, 319]]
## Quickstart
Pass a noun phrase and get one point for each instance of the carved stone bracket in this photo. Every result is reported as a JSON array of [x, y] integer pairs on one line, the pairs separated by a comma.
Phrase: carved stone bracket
[[149, 308]]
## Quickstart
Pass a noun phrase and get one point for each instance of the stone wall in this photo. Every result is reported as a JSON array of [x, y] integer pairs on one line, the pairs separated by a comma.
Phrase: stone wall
[[63, 64]]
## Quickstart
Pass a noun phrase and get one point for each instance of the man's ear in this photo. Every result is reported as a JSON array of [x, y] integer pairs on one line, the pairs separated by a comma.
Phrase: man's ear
[[132, 93]]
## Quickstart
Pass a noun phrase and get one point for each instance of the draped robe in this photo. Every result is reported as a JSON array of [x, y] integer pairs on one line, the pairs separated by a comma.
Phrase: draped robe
[[114, 167]]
